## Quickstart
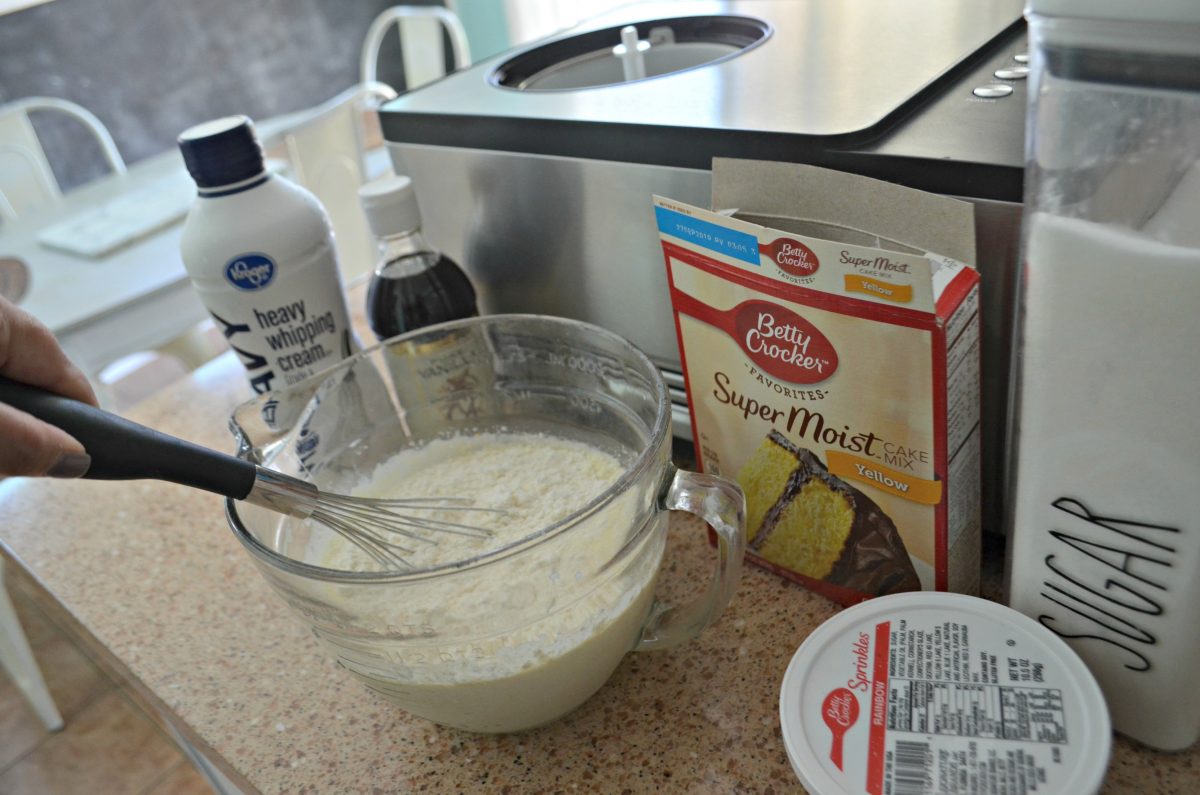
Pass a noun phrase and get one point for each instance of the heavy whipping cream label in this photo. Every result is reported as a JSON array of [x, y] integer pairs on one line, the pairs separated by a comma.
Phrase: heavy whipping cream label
[[938, 693], [285, 324]]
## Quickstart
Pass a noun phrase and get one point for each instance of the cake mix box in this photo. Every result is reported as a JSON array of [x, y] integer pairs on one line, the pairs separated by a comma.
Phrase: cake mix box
[[829, 333]]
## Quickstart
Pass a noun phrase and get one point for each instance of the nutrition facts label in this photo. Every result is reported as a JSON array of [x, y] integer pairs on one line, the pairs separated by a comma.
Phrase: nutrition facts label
[[951, 706], [938, 685], [969, 710]]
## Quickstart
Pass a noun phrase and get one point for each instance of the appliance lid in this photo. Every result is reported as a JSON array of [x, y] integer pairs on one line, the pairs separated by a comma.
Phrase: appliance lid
[[839, 71], [646, 50]]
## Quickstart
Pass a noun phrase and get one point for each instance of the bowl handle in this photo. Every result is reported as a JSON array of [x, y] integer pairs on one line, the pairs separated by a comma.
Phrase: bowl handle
[[722, 505]]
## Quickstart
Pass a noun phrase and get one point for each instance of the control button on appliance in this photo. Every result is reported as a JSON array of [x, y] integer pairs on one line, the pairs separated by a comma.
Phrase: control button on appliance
[[1013, 73], [993, 92], [1021, 57]]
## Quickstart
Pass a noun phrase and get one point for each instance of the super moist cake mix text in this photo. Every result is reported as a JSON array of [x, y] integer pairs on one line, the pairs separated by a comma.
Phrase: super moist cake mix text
[[843, 408]]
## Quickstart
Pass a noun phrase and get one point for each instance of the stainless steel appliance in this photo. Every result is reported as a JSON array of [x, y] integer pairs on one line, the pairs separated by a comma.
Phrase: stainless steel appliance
[[535, 168]]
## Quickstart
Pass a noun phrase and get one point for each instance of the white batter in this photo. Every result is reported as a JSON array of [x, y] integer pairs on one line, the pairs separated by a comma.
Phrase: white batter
[[521, 640]]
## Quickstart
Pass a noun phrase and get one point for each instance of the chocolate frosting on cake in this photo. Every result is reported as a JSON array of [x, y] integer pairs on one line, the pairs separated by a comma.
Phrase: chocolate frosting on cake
[[874, 559]]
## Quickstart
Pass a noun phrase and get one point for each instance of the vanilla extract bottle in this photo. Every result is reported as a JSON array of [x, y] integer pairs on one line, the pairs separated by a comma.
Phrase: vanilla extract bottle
[[415, 285]]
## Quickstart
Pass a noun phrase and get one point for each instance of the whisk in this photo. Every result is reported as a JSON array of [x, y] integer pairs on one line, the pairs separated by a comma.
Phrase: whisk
[[124, 450]]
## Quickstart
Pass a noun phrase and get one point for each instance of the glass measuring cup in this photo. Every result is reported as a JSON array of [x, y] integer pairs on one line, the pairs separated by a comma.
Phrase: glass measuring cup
[[493, 643]]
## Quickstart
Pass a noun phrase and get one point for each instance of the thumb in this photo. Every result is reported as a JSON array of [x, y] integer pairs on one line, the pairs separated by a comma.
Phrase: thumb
[[33, 448]]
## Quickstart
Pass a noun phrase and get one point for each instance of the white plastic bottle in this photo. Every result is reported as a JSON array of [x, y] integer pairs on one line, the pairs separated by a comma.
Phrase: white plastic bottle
[[259, 251]]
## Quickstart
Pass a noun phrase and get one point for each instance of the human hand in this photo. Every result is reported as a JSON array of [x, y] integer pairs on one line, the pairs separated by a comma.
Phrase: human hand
[[29, 353]]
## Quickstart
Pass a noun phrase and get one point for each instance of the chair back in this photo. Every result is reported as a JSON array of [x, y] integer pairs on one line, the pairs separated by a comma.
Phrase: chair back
[[420, 29], [26, 179], [327, 156]]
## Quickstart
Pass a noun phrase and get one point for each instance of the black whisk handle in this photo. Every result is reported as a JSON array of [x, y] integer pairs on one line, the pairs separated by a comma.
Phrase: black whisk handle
[[123, 450]]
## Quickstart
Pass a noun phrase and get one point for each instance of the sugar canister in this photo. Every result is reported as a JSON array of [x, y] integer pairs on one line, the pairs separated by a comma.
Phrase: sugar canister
[[1104, 463]]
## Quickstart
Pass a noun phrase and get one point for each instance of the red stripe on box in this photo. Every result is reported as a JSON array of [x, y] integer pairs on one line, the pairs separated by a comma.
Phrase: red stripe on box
[[879, 699]]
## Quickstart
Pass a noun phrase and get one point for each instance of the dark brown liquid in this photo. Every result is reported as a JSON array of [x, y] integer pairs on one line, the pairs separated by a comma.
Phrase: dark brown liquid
[[404, 296]]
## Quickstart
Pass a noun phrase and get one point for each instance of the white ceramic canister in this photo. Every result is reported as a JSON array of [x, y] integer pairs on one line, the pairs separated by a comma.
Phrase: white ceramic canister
[[259, 251], [1104, 502], [941, 693]]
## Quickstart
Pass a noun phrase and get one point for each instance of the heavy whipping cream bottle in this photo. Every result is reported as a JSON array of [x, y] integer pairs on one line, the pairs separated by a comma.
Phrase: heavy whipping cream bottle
[[259, 251]]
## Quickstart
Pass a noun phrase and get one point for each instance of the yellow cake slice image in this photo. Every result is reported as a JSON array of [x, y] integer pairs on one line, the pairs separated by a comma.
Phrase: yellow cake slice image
[[802, 518]]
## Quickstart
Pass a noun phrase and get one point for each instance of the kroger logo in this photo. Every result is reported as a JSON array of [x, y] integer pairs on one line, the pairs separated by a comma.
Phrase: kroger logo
[[250, 271]]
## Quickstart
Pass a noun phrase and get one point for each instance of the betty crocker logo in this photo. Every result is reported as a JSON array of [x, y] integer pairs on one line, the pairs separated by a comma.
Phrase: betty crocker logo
[[839, 710], [783, 344], [793, 257]]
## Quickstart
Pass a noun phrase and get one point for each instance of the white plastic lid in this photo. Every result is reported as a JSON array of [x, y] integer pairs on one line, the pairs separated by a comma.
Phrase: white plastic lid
[[390, 204], [901, 694], [1141, 11]]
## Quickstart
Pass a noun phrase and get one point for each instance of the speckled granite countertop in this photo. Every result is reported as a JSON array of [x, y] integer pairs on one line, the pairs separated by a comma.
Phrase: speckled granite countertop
[[153, 579]]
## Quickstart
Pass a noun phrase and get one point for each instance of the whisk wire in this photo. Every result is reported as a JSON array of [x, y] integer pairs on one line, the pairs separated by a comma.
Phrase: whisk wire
[[387, 554], [386, 515], [373, 525]]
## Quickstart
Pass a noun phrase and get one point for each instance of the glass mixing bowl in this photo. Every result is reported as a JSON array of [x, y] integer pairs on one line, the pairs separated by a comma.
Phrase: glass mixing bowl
[[499, 641]]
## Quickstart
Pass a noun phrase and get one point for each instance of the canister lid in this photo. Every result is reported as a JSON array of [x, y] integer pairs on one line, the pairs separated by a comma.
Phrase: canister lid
[[934, 692], [1142, 11]]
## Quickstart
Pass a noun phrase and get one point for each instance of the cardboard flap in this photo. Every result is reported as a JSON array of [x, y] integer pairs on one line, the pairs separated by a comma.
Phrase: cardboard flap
[[863, 206]]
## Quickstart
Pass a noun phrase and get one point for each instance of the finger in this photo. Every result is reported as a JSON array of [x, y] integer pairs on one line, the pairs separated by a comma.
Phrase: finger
[[34, 448], [29, 353]]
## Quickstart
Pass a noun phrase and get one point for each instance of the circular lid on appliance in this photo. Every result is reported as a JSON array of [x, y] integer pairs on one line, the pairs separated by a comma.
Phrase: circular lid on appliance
[[927, 692], [626, 53]]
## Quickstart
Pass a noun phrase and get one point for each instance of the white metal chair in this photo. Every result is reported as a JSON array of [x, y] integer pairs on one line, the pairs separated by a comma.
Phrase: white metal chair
[[6, 208], [17, 658], [135, 376], [421, 47], [26, 179], [27, 182], [326, 151]]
